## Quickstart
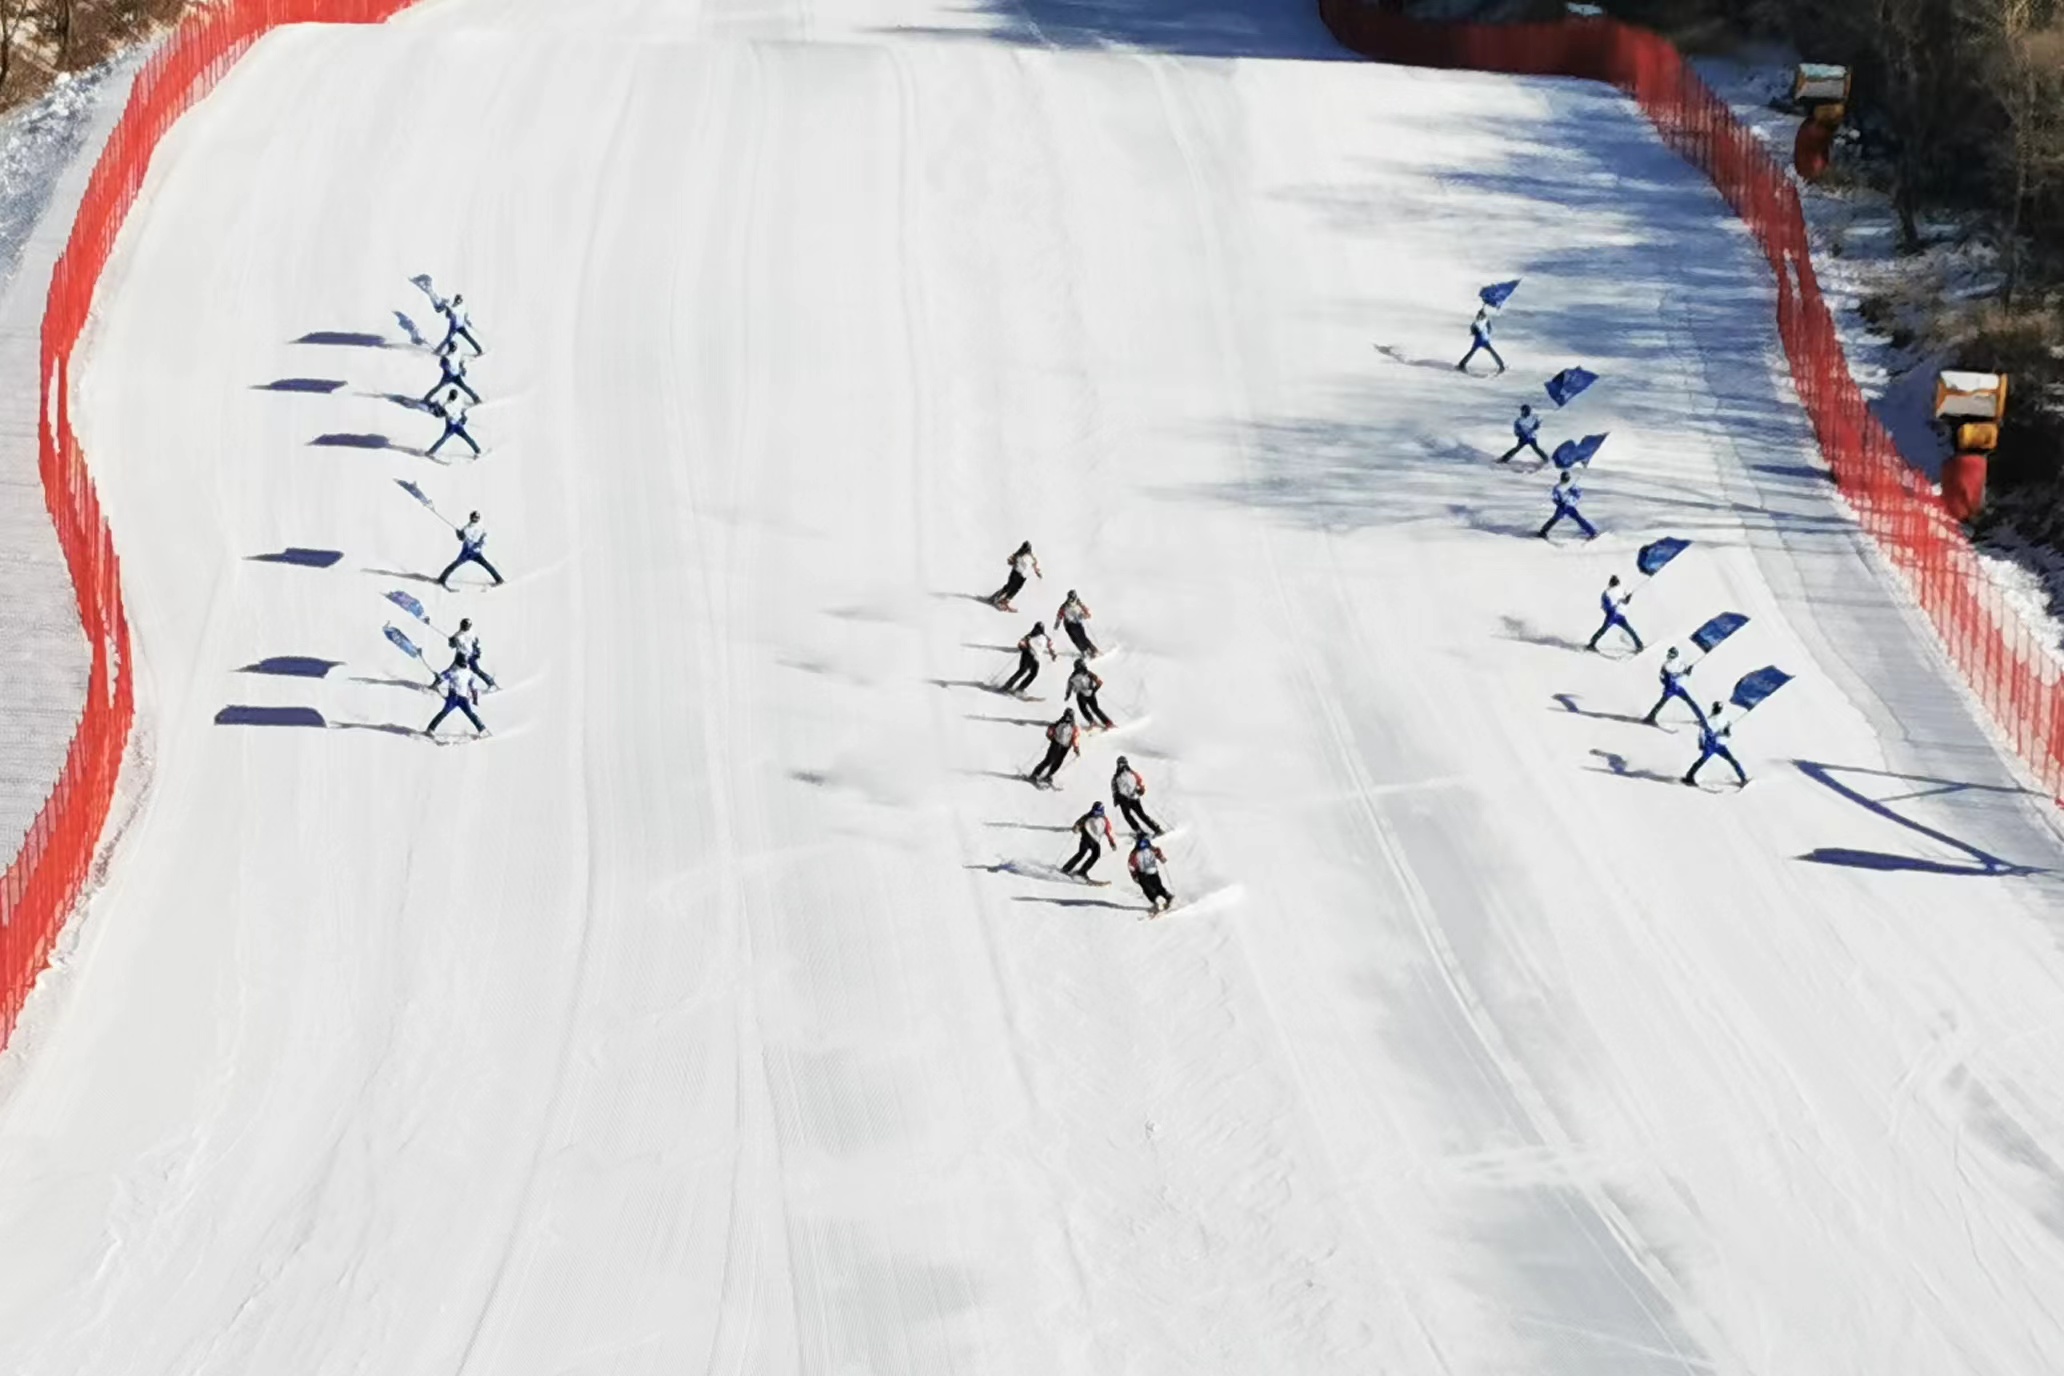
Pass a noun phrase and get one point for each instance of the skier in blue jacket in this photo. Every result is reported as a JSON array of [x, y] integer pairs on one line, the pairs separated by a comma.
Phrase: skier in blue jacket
[[472, 550], [1712, 745], [1527, 430], [1673, 687], [453, 413], [1614, 603], [460, 693], [1480, 341], [457, 324], [1567, 495], [452, 365]]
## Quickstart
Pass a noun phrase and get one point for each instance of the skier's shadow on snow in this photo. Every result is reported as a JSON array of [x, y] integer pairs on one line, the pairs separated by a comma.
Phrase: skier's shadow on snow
[[1075, 902], [391, 683], [406, 402], [321, 386], [1515, 628], [1615, 764], [1981, 863], [979, 645], [349, 440], [1569, 704], [982, 684], [1007, 721], [1397, 355], [406, 577], [1027, 826]]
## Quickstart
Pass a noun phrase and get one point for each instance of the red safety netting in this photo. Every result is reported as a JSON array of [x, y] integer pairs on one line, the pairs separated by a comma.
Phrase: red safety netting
[[2003, 660], [57, 854]]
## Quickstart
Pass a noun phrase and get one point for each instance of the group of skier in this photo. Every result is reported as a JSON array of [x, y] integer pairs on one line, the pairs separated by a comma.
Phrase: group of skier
[[1064, 736], [1567, 496], [464, 679], [1713, 731]]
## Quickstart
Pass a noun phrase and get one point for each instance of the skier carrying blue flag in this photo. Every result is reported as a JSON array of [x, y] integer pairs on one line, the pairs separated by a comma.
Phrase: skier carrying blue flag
[[1673, 677], [460, 694], [472, 550], [1480, 341], [1712, 745], [453, 413], [457, 324], [1567, 495], [452, 366], [1614, 603], [1527, 430], [465, 647]]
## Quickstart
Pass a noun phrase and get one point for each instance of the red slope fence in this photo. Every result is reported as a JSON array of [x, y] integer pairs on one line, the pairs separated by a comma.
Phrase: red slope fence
[[56, 857], [2007, 667]]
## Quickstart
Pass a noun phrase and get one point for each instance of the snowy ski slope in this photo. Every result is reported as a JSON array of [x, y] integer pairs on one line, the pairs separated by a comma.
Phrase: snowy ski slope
[[696, 1020]]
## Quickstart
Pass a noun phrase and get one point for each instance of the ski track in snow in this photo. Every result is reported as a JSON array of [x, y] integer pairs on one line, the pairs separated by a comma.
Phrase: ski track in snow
[[723, 1012]]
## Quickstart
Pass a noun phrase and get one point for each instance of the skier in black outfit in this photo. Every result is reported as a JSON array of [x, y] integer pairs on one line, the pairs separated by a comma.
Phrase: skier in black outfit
[[1082, 686], [1127, 789], [1061, 738], [1070, 618], [1145, 863], [1086, 855], [1022, 562], [1028, 662]]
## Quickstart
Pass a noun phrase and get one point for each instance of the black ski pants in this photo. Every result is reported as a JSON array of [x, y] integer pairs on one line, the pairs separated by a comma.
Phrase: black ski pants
[[1135, 815], [1086, 856], [468, 556], [1027, 670], [1056, 756]]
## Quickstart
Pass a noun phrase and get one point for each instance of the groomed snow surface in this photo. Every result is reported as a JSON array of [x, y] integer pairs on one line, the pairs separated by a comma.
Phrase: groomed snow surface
[[697, 1021]]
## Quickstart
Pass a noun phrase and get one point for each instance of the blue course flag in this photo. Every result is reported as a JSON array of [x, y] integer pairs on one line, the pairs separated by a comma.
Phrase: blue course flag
[[1567, 385], [1498, 293], [1753, 688], [1570, 453], [409, 605], [1565, 455], [403, 643], [1657, 553], [1709, 636], [414, 491]]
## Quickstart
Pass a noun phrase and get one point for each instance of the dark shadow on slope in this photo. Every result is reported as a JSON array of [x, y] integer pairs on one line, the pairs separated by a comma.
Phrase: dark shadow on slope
[[405, 577], [412, 684], [350, 440], [1977, 861], [299, 556], [293, 666], [1279, 29], [1610, 762], [1569, 704], [385, 728], [320, 385], [1078, 902]]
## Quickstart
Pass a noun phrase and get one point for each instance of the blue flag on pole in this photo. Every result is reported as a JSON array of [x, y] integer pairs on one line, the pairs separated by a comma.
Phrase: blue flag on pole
[[1498, 293], [409, 605], [1570, 453], [1567, 385], [403, 643], [1709, 636], [1753, 688], [416, 492], [1655, 554]]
